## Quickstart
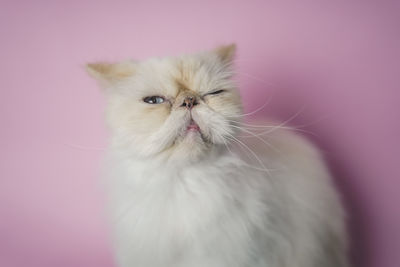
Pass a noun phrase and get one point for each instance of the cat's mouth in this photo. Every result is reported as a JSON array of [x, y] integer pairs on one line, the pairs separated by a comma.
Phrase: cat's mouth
[[192, 131], [193, 127]]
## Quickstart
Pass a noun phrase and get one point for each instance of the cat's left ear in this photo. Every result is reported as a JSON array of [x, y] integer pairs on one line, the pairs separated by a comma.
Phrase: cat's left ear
[[226, 53], [107, 74]]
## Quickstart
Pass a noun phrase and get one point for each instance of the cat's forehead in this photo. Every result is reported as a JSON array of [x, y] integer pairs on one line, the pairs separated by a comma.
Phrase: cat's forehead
[[194, 73]]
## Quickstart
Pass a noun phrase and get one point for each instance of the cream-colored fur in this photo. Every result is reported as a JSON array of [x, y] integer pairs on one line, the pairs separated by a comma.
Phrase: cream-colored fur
[[189, 198]]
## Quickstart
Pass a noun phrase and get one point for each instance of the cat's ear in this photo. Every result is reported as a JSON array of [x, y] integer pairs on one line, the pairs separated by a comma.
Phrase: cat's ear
[[107, 74], [226, 53]]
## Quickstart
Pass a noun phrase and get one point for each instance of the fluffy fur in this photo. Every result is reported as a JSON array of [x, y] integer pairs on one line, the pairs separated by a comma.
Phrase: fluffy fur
[[190, 198]]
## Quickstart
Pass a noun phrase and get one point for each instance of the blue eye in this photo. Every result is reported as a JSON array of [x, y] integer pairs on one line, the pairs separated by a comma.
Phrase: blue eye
[[154, 99]]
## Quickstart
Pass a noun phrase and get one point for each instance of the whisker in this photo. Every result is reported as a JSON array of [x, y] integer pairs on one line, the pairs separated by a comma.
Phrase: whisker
[[259, 138], [248, 155], [225, 143], [257, 127], [277, 128], [284, 122], [254, 111], [257, 79], [266, 143], [249, 165], [250, 150], [272, 127], [252, 125]]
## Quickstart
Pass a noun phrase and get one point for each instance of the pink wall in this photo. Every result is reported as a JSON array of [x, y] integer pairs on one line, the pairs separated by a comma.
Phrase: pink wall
[[340, 61]]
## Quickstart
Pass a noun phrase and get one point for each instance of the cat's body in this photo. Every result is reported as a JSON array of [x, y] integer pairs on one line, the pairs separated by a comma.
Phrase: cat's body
[[184, 196]]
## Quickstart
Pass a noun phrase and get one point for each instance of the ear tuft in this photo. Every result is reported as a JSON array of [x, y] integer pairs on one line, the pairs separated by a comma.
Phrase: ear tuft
[[226, 53], [98, 69], [108, 73]]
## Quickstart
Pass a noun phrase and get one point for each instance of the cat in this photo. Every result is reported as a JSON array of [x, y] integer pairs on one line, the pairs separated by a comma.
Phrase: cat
[[186, 191]]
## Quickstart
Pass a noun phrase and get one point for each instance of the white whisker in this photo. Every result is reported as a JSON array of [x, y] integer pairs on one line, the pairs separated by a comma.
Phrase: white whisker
[[250, 150], [254, 111], [284, 122], [257, 79], [258, 137]]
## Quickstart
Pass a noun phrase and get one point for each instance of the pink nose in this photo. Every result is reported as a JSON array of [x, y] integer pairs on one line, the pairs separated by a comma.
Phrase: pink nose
[[189, 102]]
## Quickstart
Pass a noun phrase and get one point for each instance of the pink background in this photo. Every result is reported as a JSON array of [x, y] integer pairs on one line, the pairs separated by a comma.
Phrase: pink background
[[337, 62]]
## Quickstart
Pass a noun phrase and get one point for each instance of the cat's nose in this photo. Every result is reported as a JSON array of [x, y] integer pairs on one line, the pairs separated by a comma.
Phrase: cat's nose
[[189, 102]]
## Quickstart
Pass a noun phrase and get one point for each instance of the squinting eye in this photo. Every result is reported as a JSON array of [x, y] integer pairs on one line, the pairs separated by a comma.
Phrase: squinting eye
[[154, 99], [215, 92]]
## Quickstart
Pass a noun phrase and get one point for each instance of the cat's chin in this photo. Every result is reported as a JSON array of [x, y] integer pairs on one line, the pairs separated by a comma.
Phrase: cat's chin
[[192, 145]]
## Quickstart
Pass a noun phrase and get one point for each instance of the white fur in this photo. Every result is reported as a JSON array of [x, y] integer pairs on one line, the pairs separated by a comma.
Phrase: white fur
[[179, 199]]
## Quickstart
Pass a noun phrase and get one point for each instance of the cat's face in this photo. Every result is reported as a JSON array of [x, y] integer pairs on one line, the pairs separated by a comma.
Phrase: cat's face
[[180, 106]]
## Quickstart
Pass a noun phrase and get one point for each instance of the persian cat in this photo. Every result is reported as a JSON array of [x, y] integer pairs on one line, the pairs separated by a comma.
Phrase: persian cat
[[187, 189]]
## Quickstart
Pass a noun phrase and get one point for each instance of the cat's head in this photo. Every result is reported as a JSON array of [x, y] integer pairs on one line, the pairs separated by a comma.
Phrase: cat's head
[[179, 106]]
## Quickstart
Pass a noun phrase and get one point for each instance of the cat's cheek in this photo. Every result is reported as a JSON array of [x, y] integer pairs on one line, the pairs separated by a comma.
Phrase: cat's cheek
[[228, 104], [148, 119]]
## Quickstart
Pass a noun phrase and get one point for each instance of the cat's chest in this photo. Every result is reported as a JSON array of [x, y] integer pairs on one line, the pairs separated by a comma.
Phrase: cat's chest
[[171, 215], [176, 198], [179, 204]]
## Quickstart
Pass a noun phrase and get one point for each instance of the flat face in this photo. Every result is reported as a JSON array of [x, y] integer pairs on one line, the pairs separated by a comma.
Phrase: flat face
[[182, 106]]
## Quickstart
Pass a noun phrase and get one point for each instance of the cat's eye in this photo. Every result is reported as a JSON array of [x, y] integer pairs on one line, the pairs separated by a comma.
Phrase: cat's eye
[[154, 99], [215, 92]]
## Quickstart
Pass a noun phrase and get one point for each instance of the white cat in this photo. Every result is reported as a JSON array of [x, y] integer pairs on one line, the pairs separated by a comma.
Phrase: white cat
[[183, 196]]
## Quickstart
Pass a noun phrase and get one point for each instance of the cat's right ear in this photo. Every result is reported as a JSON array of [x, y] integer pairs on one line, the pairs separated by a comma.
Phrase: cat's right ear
[[226, 53], [108, 74]]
